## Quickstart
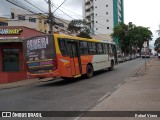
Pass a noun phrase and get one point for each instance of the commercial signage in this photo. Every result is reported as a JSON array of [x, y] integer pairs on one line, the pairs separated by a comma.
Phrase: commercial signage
[[13, 31]]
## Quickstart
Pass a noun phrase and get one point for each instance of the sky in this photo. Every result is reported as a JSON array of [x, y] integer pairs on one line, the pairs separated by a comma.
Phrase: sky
[[139, 12]]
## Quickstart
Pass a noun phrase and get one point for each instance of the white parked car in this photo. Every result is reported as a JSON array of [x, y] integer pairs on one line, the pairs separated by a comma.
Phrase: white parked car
[[120, 58]]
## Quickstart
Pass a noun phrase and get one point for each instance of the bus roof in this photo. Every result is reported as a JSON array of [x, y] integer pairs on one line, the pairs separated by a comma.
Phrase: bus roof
[[83, 39]]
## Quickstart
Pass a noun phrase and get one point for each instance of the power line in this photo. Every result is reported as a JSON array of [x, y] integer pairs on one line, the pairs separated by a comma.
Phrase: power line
[[21, 5], [68, 10], [34, 6], [63, 12], [60, 5]]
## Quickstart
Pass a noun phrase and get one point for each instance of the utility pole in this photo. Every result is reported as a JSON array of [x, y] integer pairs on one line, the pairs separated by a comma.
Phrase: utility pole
[[50, 18]]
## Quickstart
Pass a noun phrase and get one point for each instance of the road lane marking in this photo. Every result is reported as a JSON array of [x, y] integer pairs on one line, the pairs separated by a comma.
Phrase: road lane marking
[[77, 118], [105, 96], [119, 85]]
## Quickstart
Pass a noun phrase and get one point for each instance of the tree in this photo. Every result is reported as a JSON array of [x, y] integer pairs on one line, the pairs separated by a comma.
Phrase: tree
[[120, 33], [131, 36], [141, 34], [79, 28]]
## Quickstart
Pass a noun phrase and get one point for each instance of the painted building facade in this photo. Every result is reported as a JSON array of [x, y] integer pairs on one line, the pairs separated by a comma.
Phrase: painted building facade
[[24, 18], [12, 64], [35, 21]]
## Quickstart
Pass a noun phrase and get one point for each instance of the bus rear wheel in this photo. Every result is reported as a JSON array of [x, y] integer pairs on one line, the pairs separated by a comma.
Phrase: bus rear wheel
[[89, 71]]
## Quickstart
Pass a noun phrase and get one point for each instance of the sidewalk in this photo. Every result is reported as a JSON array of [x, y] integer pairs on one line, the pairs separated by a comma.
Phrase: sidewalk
[[141, 92], [18, 83], [22, 83]]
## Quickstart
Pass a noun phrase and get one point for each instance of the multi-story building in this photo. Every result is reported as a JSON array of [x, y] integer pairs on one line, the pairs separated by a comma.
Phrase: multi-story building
[[24, 18], [103, 15], [35, 21]]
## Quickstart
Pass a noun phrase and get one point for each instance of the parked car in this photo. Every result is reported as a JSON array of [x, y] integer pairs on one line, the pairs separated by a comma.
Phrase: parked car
[[127, 58], [133, 57], [137, 55], [120, 58]]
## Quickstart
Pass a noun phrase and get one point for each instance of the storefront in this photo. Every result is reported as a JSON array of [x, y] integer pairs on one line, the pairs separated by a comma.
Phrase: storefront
[[12, 64]]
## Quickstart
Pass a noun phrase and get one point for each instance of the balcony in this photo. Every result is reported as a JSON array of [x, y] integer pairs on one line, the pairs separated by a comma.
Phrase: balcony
[[88, 14], [87, 2]]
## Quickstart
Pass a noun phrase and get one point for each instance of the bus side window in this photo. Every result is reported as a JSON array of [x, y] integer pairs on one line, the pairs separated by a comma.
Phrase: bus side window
[[113, 48], [63, 47], [84, 48], [110, 50], [92, 48], [105, 48], [99, 48]]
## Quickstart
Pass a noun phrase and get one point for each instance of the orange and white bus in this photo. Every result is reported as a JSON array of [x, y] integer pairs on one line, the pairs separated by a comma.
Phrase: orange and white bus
[[67, 56]]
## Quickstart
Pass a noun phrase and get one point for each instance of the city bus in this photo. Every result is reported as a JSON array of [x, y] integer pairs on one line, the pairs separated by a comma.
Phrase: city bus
[[67, 56], [145, 52]]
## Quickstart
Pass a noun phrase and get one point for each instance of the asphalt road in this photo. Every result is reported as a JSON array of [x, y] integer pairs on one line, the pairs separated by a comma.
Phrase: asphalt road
[[68, 95]]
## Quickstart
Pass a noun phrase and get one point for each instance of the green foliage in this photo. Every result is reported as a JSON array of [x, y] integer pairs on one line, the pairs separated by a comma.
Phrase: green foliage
[[79, 28], [131, 36], [75, 26], [84, 34]]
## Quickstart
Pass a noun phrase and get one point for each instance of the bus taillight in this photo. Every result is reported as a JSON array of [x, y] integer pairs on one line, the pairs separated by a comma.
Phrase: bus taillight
[[55, 65]]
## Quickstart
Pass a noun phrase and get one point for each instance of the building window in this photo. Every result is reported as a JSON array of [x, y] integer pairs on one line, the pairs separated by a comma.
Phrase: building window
[[96, 21], [3, 24], [12, 15], [95, 6], [10, 59], [96, 28], [32, 19], [61, 25], [106, 13], [107, 20], [96, 14], [107, 27], [106, 5], [21, 17]]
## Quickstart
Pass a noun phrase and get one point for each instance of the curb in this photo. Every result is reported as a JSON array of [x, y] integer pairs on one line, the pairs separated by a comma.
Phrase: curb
[[25, 83], [18, 84], [140, 68]]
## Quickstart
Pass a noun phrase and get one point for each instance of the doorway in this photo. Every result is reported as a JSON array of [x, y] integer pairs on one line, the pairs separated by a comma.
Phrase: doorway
[[74, 58]]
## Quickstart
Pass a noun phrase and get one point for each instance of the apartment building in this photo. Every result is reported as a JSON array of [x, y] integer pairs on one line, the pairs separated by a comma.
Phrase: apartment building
[[103, 15]]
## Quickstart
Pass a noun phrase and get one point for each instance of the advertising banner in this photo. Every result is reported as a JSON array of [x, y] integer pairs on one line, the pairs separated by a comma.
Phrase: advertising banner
[[39, 53]]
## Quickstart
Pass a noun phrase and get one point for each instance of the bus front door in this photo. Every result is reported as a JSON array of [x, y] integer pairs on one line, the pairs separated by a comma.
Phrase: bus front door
[[74, 58]]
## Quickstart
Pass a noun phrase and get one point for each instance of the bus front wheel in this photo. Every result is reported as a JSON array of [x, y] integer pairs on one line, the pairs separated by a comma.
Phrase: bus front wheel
[[89, 71]]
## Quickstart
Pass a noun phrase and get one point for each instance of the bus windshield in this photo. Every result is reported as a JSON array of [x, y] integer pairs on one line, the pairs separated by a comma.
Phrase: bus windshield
[[39, 54]]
